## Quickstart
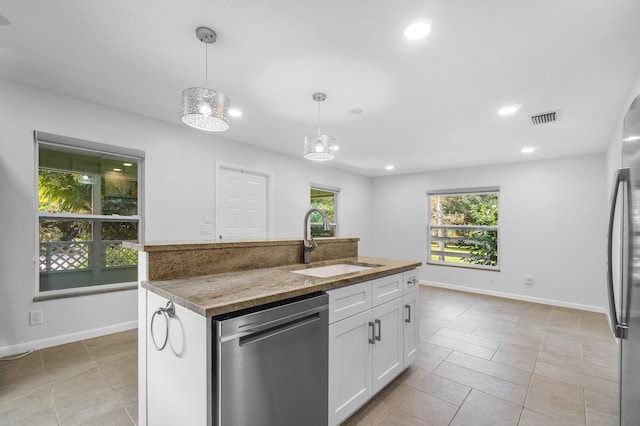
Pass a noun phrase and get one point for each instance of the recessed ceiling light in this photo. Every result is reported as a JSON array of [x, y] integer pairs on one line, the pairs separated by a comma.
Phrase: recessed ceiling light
[[336, 148], [631, 138], [509, 109], [418, 29], [234, 112], [389, 167], [356, 111], [127, 164], [528, 150]]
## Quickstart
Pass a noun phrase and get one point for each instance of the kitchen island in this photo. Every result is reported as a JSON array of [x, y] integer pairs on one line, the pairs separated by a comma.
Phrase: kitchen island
[[205, 280]]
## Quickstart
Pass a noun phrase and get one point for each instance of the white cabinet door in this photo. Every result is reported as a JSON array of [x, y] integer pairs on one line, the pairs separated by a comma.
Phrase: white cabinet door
[[411, 323], [349, 365], [388, 349]]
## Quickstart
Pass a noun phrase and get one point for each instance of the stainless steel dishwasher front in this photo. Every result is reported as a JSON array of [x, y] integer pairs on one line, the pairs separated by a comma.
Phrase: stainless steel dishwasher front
[[271, 364]]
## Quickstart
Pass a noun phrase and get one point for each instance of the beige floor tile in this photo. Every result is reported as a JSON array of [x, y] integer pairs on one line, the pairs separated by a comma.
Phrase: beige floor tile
[[437, 386], [372, 414], [533, 418], [431, 356], [84, 398], [486, 342], [18, 369], [461, 346], [555, 399], [465, 325], [511, 336], [601, 409], [516, 356], [34, 409], [112, 338], [400, 418], [481, 409], [421, 405], [114, 417], [427, 329], [66, 361], [504, 372], [577, 378], [489, 323], [483, 382], [22, 377]]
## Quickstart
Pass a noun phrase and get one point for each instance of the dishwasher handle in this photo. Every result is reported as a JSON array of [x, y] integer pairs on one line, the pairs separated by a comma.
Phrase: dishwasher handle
[[265, 333], [274, 324]]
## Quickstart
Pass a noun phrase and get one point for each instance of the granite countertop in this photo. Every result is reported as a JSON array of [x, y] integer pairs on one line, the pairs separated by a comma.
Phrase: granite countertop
[[218, 294]]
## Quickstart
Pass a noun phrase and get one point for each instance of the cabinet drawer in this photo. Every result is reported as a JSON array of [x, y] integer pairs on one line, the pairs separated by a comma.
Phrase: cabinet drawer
[[349, 300], [410, 280], [386, 289]]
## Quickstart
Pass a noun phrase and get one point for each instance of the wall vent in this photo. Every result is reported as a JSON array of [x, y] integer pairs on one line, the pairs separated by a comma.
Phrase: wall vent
[[545, 117]]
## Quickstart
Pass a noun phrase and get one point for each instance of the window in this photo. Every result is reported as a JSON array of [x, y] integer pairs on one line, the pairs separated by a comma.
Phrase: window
[[88, 204], [463, 228], [325, 199]]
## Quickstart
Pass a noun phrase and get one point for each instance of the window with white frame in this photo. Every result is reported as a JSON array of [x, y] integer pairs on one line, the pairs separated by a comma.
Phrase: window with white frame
[[463, 228], [88, 204], [325, 199]]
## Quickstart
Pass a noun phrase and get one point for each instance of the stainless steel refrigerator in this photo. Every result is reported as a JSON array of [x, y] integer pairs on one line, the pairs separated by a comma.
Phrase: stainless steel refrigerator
[[623, 274]]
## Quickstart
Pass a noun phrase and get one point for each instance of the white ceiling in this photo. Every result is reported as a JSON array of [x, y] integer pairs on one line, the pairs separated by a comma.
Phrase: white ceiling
[[428, 105]]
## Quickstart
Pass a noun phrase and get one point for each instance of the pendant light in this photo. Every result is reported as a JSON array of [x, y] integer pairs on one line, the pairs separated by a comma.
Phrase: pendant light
[[202, 108], [319, 147]]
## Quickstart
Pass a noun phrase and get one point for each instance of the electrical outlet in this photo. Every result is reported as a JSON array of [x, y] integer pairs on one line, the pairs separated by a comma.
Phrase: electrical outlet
[[528, 280], [35, 317], [207, 218]]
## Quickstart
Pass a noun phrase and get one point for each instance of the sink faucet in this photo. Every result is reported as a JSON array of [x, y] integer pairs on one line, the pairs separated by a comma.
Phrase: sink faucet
[[309, 244]]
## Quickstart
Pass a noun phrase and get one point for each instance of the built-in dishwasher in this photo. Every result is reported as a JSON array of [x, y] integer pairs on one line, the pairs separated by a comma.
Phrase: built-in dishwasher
[[271, 364]]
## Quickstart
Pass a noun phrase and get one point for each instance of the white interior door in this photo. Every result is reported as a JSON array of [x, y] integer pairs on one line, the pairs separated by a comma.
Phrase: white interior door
[[241, 202]]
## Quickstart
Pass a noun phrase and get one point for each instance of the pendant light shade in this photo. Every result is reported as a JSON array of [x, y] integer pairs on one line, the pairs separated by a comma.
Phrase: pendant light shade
[[319, 147], [202, 108], [205, 109]]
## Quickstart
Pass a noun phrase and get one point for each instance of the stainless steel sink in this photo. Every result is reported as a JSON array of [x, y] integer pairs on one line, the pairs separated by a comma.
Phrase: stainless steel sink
[[332, 270]]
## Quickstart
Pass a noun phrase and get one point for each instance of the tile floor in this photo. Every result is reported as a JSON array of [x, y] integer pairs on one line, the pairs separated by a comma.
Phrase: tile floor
[[484, 361], [91, 382]]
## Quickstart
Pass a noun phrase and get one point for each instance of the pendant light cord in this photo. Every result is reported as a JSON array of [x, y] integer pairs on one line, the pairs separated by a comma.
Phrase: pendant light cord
[[206, 63], [318, 118]]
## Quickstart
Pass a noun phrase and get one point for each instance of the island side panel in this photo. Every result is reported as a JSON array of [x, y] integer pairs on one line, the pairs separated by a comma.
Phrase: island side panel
[[142, 339], [179, 376]]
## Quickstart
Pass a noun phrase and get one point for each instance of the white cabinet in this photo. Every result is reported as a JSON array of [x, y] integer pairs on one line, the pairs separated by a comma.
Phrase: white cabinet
[[411, 328], [350, 378], [388, 348], [367, 343]]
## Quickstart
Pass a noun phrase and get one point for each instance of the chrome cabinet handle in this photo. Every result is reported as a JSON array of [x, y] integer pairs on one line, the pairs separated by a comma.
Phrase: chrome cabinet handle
[[373, 333], [379, 336], [413, 281], [622, 176], [408, 308], [168, 311]]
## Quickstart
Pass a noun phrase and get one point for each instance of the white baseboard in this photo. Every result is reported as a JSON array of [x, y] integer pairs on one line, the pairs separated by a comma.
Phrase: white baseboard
[[66, 338], [522, 297]]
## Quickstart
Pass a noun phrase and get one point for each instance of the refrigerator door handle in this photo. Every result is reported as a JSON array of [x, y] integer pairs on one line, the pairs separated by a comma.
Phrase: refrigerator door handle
[[622, 176]]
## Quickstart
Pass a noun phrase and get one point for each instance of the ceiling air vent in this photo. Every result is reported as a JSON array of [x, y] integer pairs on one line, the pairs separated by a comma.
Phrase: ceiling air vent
[[545, 117]]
